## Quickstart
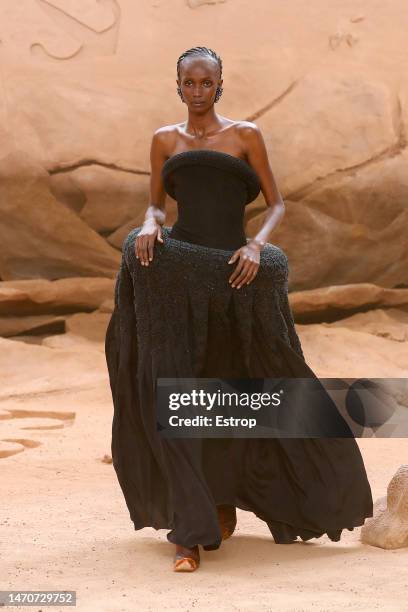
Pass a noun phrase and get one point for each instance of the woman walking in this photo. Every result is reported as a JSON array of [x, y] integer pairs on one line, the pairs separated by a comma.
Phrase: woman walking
[[201, 300]]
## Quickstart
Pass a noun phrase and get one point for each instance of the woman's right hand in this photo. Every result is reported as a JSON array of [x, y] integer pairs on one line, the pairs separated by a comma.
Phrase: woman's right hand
[[144, 242]]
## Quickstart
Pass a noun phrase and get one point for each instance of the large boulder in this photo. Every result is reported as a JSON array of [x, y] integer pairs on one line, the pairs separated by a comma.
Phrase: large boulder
[[388, 528], [65, 295], [337, 302], [40, 237], [110, 197], [328, 123]]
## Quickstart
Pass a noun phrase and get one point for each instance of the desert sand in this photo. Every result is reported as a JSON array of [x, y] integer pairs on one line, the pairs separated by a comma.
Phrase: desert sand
[[65, 524]]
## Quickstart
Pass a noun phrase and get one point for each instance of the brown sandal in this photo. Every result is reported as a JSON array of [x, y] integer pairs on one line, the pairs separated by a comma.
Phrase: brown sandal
[[227, 517], [183, 562]]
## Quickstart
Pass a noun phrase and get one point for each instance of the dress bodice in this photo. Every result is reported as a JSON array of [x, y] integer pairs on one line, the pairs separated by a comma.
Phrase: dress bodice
[[212, 189]]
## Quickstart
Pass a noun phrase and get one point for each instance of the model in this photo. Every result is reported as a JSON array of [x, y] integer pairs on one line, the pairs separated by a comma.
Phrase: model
[[201, 300]]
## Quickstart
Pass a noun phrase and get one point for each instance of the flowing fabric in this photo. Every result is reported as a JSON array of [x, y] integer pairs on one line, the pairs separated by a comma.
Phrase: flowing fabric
[[179, 317]]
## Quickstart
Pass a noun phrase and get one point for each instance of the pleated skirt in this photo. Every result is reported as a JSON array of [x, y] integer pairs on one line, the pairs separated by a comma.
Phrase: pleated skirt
[[179, 317]]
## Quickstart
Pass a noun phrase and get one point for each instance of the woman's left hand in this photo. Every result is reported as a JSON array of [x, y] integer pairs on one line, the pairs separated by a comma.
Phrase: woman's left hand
[[247, 268]]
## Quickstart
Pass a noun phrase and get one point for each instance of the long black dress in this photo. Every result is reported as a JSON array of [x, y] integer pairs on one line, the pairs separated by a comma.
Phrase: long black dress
[[179, 317]]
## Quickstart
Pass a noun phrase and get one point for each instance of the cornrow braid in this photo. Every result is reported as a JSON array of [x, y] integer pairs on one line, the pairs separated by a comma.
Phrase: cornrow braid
[[203, 51], [199, 51]]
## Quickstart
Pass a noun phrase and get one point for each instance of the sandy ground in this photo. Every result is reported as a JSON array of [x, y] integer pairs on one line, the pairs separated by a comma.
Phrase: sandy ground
[[65, 524]]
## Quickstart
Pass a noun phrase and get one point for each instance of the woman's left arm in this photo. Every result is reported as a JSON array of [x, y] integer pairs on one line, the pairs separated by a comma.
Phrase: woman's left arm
[[258, 158], [249, 255]]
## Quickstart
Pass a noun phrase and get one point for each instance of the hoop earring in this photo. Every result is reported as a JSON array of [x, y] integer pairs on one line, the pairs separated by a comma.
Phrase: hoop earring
[[218, 94]]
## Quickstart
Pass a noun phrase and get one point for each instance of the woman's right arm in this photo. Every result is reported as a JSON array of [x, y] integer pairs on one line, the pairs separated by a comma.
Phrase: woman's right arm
[[155, 213]]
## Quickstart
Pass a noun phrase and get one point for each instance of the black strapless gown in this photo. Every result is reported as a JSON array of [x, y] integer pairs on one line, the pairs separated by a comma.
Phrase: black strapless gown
[[179, 317]]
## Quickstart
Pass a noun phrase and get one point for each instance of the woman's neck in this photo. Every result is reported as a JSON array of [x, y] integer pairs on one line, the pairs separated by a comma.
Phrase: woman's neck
[[201, 126]]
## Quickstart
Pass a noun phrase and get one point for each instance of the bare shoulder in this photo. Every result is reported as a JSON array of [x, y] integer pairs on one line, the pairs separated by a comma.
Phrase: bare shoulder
[[251, 139], [248, 130], [164, 138], [167, 130]]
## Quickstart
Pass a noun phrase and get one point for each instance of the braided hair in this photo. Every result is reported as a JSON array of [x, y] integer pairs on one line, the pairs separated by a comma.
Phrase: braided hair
[[200, 51]]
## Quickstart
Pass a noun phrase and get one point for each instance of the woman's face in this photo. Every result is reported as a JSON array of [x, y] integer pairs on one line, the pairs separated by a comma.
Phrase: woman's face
[[199, 79]]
